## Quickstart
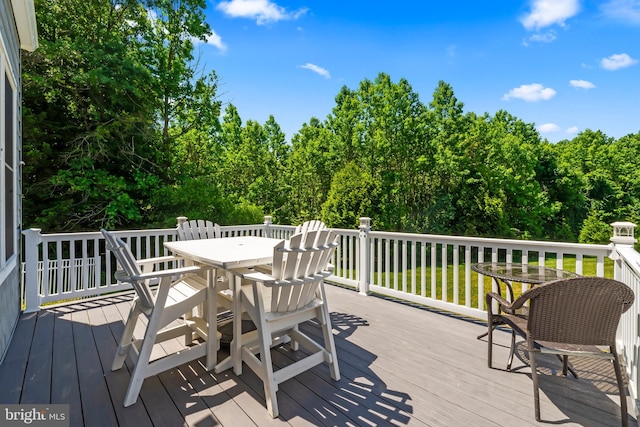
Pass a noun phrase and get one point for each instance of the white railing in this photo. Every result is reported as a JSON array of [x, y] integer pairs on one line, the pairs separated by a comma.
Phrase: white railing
[[431, 270], [428, 269], [436, 270], [627, 270], [66, 266]]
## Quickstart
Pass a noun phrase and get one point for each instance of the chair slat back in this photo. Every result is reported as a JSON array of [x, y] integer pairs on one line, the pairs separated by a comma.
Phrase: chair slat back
[[299, 266], [581, 311], [128, 268], [198, 229], [311, 225]]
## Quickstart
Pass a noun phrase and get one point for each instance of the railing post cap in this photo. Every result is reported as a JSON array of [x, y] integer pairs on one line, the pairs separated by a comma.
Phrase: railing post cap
[[268, 219], [32, 233], [181, 219], [365, 222], [623, 233], [31, 230], [625, 224]]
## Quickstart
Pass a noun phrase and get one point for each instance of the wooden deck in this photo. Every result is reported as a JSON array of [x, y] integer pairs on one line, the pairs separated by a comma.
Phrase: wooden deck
[[400, 365]]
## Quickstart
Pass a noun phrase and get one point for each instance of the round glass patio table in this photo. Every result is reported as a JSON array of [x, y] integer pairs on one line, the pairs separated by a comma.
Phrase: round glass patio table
[[522, 273]]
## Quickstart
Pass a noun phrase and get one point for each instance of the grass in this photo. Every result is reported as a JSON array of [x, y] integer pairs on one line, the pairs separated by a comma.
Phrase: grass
[[569, 264]]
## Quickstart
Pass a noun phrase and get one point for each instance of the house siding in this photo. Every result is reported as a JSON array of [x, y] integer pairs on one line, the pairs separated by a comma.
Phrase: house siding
[[9, 273], [9, 35], [9, 309]]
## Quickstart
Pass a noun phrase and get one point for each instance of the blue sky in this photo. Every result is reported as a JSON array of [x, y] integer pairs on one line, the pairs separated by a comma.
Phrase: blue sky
[[563, 65]]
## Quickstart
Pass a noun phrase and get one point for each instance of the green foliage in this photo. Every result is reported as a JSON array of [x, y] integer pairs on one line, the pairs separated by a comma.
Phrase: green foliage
[[594, 229], [309, 171], [199, 198], [112, 99], [85, 117], [351, 196], [121, 128]]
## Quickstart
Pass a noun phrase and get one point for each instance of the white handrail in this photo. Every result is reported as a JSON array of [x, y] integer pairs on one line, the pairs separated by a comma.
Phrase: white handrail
[[427, 269], [627, 270]]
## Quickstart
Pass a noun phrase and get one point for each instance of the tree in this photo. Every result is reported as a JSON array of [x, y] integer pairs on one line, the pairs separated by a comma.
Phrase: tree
[[309, 171], [86, 117], [595, 229], [381, 126], [112, 99], [440, 159], [186, 99], [352, 195], [566, 198]]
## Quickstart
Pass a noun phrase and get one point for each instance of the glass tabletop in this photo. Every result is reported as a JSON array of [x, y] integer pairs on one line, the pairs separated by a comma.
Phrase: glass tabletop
[[533, 274]]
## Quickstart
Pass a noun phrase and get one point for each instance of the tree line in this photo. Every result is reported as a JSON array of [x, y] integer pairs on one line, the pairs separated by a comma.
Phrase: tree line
[[121, 128]]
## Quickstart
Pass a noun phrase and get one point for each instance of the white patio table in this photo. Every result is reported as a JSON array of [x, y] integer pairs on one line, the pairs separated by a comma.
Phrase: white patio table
[[227, 254]]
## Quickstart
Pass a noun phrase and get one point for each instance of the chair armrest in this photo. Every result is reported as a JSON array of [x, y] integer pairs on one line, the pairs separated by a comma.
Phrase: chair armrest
[[257, 276], [503, 304], [169, 272], [159, 260], [499, 298], [506, 306], [266, 269]]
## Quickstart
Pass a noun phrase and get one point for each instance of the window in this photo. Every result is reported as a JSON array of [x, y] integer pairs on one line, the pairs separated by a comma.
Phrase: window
[[8, 161]]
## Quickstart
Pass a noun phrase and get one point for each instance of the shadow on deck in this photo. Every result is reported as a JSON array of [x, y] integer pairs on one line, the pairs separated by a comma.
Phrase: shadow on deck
[[400, 365]]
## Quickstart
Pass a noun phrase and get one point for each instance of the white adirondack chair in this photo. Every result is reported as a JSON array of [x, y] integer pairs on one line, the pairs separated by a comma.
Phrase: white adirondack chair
[[198, 229], [179, 291], [278, 302]]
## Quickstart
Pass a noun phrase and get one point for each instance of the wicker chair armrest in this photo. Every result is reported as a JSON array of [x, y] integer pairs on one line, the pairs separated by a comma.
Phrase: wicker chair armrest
[[506, 306], [496, 296]]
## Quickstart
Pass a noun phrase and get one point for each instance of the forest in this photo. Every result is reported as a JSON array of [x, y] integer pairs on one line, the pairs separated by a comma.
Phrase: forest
[[122, 129]]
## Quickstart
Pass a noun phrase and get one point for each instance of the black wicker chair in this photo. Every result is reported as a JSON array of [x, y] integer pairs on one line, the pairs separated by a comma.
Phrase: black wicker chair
[[568, 317]]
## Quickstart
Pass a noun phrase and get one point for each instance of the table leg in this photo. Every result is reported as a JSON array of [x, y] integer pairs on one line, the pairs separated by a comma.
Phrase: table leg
[[236, 342], [509, 287], [228, 362], [212, 310]]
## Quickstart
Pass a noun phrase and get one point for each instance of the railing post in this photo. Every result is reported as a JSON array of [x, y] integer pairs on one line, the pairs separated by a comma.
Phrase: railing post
[[622, 236], [365, 228], [32, 239], [267, 225]]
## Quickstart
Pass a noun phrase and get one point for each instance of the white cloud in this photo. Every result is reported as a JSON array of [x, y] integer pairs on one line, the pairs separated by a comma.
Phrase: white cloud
[[213, 39], [530, 93], [572, 130], [548, 128], [547, 37], [581, 84], [309, 66], [622, 10], [263, 11], [545, 13], [617, 61]]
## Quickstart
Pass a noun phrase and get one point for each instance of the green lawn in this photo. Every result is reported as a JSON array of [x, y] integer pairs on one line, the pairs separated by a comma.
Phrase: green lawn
[[569, 263]]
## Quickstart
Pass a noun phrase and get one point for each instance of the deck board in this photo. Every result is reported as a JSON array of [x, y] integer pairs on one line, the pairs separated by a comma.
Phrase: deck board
[[94, 393], [65, 385], [399, 364], [14, 366], [38, 375]]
